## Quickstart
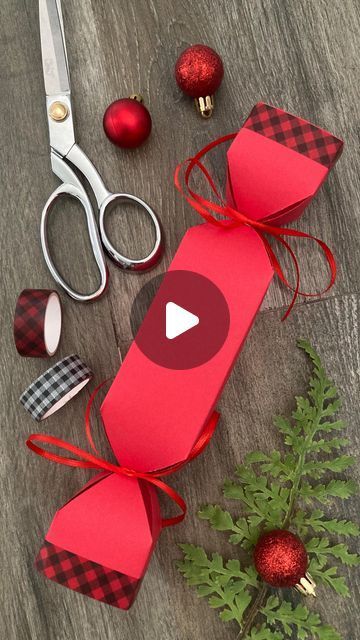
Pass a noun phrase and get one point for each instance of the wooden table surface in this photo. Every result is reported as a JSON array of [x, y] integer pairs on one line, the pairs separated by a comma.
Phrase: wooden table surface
[[301, 56]]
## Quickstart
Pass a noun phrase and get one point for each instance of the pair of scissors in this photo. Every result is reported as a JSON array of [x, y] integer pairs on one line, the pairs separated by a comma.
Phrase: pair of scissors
[[65, 152]]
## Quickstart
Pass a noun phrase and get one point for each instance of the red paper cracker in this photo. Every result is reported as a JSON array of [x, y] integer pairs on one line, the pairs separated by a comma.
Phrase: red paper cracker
[[156, 417]]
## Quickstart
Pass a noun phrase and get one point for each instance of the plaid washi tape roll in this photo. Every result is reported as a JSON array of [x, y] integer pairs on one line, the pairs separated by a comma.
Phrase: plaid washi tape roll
[[54, 388], [37, 323]]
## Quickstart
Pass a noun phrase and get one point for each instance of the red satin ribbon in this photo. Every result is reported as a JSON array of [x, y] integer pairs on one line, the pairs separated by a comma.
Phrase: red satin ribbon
[[207, 209], [86, 460]]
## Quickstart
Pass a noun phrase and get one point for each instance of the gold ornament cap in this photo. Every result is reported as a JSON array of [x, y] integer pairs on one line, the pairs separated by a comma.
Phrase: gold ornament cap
[[306, 585], [205, 106], [58, 111], [137, 97]]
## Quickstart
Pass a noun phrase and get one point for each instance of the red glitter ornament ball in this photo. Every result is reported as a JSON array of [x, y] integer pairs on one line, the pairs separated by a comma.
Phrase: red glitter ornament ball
[[280, 558], [127, 123], [199, 71]]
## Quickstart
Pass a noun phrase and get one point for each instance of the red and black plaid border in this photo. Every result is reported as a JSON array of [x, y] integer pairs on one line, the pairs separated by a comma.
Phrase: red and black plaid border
[[295, 133], [29, 321], [86, 577]]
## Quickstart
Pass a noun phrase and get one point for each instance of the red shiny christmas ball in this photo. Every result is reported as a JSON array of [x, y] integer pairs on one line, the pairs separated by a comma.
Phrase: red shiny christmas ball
[[280, 558], [127, 123], [199, 71]]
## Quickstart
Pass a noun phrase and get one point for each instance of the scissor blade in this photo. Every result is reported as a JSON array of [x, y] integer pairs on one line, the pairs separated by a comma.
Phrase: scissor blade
[[53, 48]]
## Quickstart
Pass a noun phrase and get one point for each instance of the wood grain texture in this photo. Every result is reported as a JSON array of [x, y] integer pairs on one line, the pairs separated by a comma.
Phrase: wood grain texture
[[301, 56]]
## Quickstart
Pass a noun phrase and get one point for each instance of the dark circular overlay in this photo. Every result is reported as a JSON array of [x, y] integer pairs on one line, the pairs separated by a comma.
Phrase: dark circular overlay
[[194, 293]]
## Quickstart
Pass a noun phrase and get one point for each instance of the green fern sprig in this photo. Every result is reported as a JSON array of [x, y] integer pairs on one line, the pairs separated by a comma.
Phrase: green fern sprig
[[280, 490]]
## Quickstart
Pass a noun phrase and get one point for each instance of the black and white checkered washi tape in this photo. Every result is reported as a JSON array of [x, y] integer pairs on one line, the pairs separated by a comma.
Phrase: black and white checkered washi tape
[[54, 388]]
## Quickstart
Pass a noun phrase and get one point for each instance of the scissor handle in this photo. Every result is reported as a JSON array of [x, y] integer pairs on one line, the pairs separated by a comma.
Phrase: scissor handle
[[73, 191], [124, 262]]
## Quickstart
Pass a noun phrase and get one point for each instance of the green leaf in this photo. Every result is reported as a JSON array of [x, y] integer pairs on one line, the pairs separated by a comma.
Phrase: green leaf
[[341, 527], [227, 615], [245, 531], [226, 585], [284, 425], [280, 467], [233, 490], [215, 602], [263, 633], [233, 566], [306, 346], [197, 555], [272, 602], [332, 408], [316, 521], [326, 632], [321, 546], [220, 520], [204, 590], [252, 576], [255, 456], [328, 445], [316, 468], [242, 601], [307, 623], [328, 576], [336, 425], [267, 500], [323, 493], [217, 563]]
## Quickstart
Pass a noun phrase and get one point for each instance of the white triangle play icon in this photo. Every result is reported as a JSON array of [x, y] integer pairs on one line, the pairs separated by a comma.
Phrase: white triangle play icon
[[178, 320]]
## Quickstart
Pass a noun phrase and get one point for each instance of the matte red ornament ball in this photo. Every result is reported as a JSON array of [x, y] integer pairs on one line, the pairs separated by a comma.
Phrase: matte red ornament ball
[[199, 71], [127, 123], [280, 558]]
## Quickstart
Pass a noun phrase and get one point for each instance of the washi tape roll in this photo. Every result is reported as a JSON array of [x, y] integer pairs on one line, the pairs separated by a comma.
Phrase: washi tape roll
[[54, 388], [37, 323]]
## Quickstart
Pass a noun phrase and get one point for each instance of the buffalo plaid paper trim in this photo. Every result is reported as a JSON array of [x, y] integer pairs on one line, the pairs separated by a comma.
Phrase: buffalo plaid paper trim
[[295, 133], [29, 322], [89, 578], [53, 385]]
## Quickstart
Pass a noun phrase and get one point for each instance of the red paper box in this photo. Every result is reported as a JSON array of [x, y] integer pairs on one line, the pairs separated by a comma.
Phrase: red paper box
[[154, 415]]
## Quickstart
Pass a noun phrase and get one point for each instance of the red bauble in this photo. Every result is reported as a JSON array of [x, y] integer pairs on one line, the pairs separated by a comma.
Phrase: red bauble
[[280, 558], [199, 71], [127, 123]]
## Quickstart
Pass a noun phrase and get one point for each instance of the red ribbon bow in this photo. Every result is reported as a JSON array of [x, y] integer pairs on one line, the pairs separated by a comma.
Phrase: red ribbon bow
[[207, 209], [86, 460]]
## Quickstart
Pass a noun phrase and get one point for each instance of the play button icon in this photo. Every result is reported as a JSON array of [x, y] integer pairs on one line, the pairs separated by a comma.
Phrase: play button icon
[[184, 323], [178, 320]]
